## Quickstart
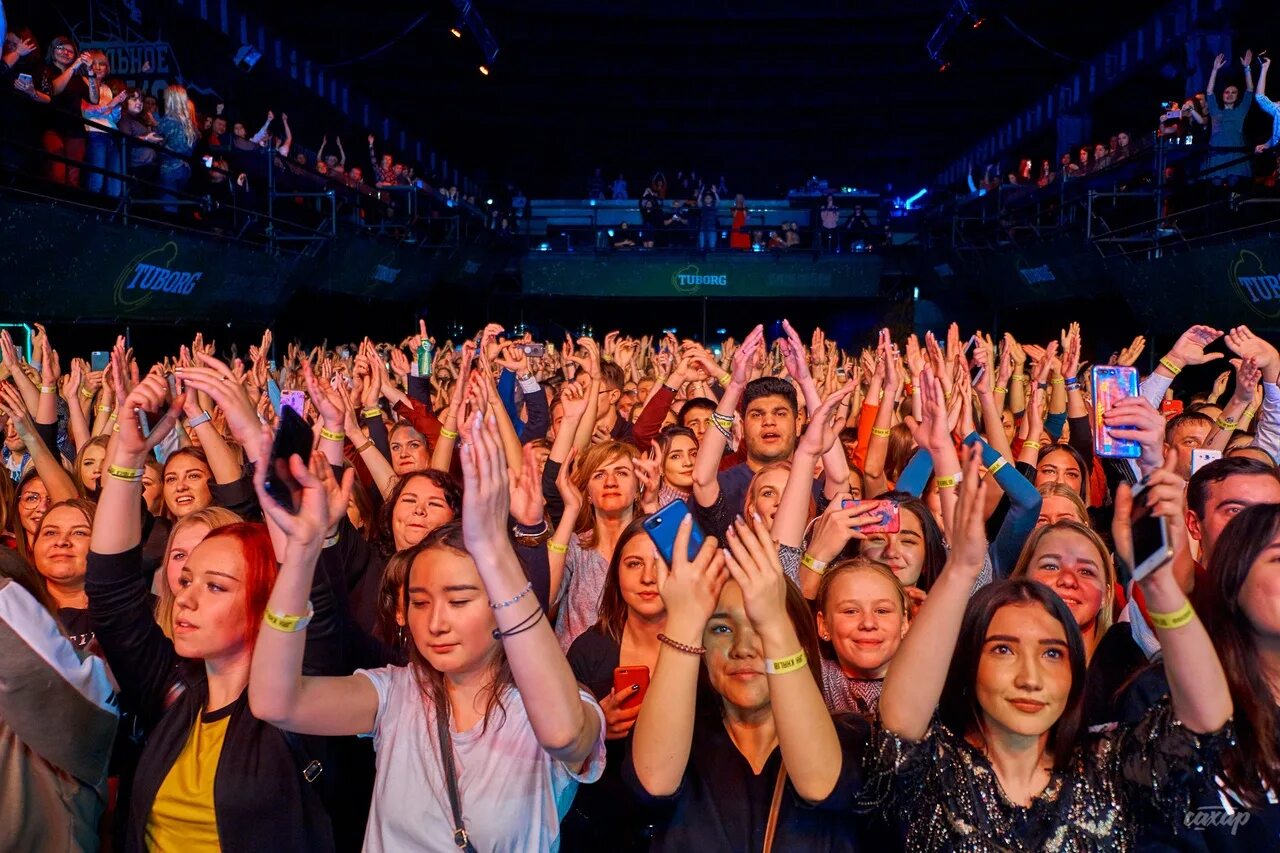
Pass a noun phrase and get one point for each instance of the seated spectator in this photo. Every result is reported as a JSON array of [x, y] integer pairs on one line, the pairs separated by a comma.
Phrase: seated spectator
[[622, 237]]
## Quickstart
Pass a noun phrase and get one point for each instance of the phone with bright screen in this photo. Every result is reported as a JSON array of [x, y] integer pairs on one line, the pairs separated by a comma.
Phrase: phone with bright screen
[[1112, 383]]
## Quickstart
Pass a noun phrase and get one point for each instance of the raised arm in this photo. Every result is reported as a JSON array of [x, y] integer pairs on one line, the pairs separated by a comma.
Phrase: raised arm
[[914, 683], [835, 465], [821, 435], [706, 488], [55, 477]]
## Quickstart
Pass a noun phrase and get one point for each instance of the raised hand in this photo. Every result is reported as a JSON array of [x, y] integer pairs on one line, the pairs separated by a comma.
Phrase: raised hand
[[825, 425], [148, 395], [1137, 420], [794, 354], [486, 495], [745, 357], [1246, 344], [527, 501], [691, 588], [648, 470], [1130, 354], [933, 431], [753, 562], [968, 533], [570, 494], [321, 502], [1189, 348], [1219, 61]]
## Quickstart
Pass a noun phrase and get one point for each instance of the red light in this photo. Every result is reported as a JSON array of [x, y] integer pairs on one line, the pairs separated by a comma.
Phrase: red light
[[979, 22]]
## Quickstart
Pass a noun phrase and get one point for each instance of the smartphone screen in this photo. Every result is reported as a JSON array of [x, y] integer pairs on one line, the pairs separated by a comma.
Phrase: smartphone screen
[[1110, 384], [295, 400], [99, 360], [890, 515], [662, 527]]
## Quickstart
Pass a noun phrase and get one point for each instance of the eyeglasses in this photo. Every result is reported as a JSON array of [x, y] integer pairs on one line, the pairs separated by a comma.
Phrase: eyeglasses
[[31, 500]]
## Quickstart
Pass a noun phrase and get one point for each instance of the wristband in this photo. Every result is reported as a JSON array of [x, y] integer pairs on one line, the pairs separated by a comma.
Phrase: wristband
[[288, 624], [127, 475], [372, 412], [881, 431], [1019, 377], [1169, 365], [725, 380], [87, 393], [1226, 423], [607, 359], [1057, 381], [1176, 619], [950, 481], [1000, 390], [682, 647], [814, 565], [788, 664], [362, 448], [47, 389], [448, 433], [203, 418], [332, 436], [330, 541], [997, 465], [1033, 444], [1073, 383], [106, 410], [557, 548], [1249, 413]]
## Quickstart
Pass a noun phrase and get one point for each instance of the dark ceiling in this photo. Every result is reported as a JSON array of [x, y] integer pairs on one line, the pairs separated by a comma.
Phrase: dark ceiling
[[764, 93]]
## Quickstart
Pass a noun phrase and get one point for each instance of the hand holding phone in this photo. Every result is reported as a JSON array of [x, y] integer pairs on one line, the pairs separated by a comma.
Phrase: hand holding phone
[[293, 438], [1148, 534], [663, 525], [1111, 383], [634, 679], [890, 513]]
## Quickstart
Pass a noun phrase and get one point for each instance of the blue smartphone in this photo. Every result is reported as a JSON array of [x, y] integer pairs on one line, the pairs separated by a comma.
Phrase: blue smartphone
[[663, 525], [1111, 383]]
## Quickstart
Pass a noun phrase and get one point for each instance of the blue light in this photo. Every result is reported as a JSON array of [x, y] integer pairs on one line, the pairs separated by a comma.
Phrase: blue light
[[916, 197], [610, 232], [592, 202], [722, 331], [544, 247]]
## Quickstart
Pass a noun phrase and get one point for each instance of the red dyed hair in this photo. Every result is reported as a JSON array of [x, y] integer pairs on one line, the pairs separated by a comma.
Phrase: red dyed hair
[[260, 570]]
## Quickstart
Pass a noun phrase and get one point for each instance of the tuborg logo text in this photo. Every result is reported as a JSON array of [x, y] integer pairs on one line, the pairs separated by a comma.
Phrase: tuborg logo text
[[148, 277], [688, 280], [1257, 289]]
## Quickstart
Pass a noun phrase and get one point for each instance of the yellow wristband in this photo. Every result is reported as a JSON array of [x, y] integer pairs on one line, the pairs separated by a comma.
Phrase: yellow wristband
[[950, 481], [788, 664], [814, 565], [1020, 377], [997, 465], [371, 412], [883, 433], [557, 548], [1033, 444], [1176, 619], [725, 380], [87, 393], [286, 623], [1169, 365], [449, 434], [127, 475], [1226, 423], [1058, 381], [332, 436], [47, 389], [1249, 413], [1000, 390]]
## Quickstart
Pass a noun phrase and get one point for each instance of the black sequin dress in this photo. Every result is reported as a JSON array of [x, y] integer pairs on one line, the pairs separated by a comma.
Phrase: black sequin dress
[[946, 795]]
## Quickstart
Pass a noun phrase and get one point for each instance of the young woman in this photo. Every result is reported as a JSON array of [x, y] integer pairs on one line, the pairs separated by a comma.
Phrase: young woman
[[59, 552], [186, 482], [186, 533], [486, 681], [210, 775], [1059, 502], [1228, 161], [1005, 754], [58, 717], [631, 617], [178, 127], [863, 613], [87, 469], [678, 450], [1073, 561], [755, 761], [64, 136], [102, 109], [739, 236], [134, 123]]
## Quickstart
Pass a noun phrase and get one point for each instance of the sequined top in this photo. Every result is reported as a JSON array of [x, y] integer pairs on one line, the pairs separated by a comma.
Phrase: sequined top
[[945, 791]]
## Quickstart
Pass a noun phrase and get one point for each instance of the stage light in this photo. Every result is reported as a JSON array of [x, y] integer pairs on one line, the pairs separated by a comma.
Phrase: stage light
[[978, 22], [488, 201], [913, 199], [455, 32], [943, 67], [915, 293], [484, 69]]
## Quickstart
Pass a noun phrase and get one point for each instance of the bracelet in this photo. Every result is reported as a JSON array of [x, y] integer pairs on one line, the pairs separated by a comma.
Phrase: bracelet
[[372, 412], [520, 627], [203, 418], [999, 390], [332, 436], [1073, 383], [288, 624], [725, 380], [1226, 423], [1176, 619], [330, 541], [725, 420], [126, 475], [531, 540], [1249, 413], [1169, 365], [1019, 377], [881, 432], [106, 410], [607, 359], [1058, 381], [557, 548], [681, 647], [788, 664], [997, 465], [448, 433], [87, 393], [814, 565], [1033, 444], [362, 448], [510, 601], [48, 389], [949, 481]]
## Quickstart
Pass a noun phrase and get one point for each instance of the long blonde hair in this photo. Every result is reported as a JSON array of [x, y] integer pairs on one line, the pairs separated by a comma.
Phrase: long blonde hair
[[1104, 617], [179, 107], [597, 457]]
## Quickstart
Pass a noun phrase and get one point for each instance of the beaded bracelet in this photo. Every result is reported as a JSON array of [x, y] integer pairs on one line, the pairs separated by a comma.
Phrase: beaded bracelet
[[332, 436], [681, 647], [1169, 365], [1176, 619], [788, 664], [448, 433], [510, 601]]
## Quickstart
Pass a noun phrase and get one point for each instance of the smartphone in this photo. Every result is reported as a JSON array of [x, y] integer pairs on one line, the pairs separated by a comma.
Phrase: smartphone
[[534, 350], [208, 161], [296, 400], [662, 527], [1202, 457], [628, 677], [99, 360], [890, 515], [1151, 548], [293, 438], [1171, 408], [24, 79], [1109, 384]]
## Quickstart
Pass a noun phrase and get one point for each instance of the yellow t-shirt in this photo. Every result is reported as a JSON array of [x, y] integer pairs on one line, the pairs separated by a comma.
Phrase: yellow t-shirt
[[182, 816]]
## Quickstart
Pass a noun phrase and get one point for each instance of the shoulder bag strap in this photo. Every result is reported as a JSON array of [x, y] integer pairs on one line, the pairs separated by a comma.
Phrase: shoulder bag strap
[[451, 783], [771, 828]]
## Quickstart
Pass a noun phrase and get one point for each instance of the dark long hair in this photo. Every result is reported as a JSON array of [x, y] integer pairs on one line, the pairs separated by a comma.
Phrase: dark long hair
[[452, 496], [448, 537], [935, 548], [613, 608], [1252, 766], [1085, 470], [958, 709]]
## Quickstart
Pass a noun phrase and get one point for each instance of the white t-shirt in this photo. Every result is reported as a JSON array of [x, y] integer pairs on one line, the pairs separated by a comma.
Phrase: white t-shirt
[[513, 794]]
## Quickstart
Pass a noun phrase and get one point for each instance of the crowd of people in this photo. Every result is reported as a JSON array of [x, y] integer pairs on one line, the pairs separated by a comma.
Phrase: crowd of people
[[638, 593], [92, 129]]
